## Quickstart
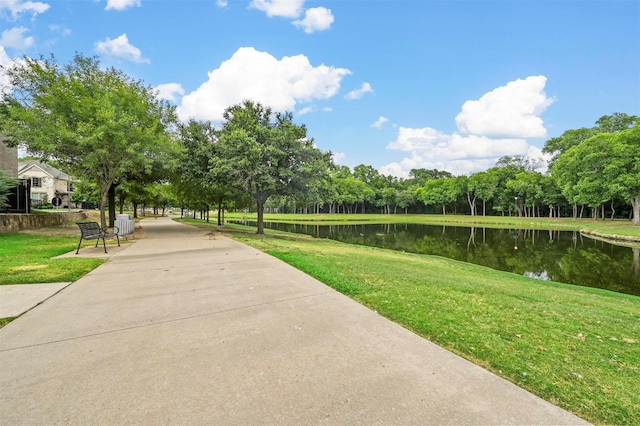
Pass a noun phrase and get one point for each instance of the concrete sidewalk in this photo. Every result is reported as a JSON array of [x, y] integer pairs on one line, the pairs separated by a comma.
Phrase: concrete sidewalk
[[19, 298], [183, 328]]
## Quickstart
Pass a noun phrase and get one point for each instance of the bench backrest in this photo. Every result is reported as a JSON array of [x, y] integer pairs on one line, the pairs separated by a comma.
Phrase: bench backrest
[[89, 228]]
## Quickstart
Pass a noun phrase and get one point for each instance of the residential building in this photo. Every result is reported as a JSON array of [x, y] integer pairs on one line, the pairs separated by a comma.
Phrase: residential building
[[48, 184]]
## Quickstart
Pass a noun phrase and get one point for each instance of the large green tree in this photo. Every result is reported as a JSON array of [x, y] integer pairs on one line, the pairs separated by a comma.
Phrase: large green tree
[[602, 168], [440, 191], [5, 184], [195, 175], [97, 124], [266, 154], [615, 122]]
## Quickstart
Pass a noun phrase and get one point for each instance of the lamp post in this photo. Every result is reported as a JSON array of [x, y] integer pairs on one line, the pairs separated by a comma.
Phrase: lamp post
[[516, 203]]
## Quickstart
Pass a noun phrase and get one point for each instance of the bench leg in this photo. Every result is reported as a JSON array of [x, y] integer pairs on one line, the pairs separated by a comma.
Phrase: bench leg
[[118, 238], [79, 242], [104, 244]]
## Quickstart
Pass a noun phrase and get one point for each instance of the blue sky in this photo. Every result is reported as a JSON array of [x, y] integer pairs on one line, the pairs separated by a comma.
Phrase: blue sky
[[397, 85]]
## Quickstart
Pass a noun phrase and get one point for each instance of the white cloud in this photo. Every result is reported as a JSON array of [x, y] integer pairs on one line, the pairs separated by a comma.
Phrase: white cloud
[[169, 91], [251, 74], [306, 110], [338, 157], [222, 3], [327, 109], [122, 4], [315, 19], [497, 124], [64, 31], [409, 139], [358, 93], [17, 7], [379, 122], [5, 61], [282, 8], [508, 111], [120, 48], [15, 38]]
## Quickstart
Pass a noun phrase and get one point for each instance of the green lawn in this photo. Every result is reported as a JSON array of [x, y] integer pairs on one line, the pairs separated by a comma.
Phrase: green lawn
[[578, 348], [27, 259]]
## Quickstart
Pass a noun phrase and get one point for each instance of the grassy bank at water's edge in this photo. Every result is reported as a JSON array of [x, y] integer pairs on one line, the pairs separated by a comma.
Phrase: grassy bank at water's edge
[[578, 348]]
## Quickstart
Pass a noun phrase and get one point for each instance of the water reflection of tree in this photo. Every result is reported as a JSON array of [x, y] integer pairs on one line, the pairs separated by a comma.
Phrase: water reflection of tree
[[560, 256], [635, 266]]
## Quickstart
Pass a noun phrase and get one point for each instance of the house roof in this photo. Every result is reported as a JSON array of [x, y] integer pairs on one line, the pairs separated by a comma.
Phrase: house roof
[[23, 166]]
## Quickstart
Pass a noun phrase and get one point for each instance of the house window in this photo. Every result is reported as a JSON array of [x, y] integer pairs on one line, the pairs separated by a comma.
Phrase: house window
[[36, 182], [69, 187]]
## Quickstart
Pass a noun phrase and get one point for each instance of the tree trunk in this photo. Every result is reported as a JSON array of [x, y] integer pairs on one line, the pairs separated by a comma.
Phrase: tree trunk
[[112, 205], [260, 209], [220, 213], [104, 192], [635, 267], [635, 203], [472, 203], [613, 210]]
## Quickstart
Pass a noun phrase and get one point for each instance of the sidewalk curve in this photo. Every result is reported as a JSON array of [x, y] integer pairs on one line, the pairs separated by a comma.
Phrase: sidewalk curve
[[184, 328]]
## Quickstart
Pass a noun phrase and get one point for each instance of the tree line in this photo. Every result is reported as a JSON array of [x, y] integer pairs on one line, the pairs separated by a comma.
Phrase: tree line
[[127, 147]]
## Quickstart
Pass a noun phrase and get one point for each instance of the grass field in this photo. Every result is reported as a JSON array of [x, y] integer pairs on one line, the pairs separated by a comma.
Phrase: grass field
[[28, 259], [578, 348]]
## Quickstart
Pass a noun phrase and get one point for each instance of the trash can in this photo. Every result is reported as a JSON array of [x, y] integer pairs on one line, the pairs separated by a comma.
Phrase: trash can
[[125, 224]]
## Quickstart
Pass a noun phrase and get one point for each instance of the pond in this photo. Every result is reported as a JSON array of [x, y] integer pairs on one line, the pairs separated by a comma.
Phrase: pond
[[562, 256]]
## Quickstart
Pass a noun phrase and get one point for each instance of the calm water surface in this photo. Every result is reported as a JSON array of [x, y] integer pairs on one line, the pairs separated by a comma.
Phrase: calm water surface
[[560, 256]]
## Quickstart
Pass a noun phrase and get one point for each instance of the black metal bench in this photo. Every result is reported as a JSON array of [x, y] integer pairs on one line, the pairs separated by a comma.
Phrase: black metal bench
[[93, 231]]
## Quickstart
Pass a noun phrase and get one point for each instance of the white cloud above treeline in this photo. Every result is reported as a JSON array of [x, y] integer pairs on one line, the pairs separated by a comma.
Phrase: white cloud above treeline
[[359, 92], [281, 8], [315, 19], [497, 124], [5, 61], [508, 111], [379, 122], [281, 84], [16, 39], [120, 47], [122, 4], [17, 7], [309, 20], [170, 91]]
